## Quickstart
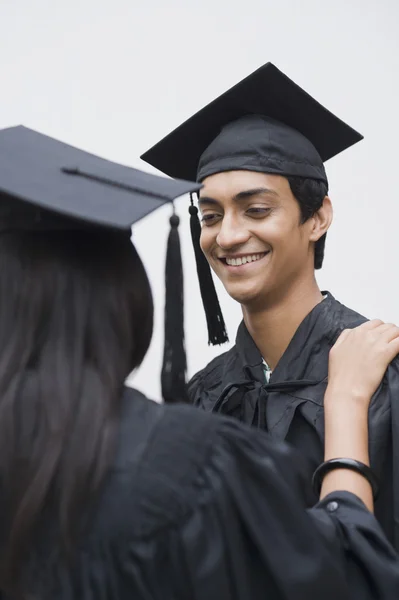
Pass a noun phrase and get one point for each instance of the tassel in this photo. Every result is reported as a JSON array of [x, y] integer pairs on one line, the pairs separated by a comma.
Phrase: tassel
[[217, 333], [174, 367]]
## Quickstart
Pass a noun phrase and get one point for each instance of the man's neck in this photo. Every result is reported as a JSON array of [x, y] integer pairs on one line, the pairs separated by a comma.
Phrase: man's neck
[[273, 328]]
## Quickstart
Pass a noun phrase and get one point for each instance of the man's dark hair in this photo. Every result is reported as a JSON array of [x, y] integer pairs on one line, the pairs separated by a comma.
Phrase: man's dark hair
[[310, 194]]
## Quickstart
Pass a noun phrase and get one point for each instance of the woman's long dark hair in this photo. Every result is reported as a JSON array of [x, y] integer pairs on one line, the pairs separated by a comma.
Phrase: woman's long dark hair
[[76, 318]]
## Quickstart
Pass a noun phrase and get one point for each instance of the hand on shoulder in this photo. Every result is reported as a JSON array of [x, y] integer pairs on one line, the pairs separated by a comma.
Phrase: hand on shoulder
[[359, 359]]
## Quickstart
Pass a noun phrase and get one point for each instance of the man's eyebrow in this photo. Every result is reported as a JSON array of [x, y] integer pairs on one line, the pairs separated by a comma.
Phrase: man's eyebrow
[[260, 191], [206, 200], [243, 195]]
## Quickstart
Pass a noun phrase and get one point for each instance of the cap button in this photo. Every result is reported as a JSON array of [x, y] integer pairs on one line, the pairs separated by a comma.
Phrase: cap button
[[332, 506]]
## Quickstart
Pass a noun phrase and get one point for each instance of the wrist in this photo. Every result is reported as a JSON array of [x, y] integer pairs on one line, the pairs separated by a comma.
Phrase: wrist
[[346, 429], [346, 394], [345, 409]]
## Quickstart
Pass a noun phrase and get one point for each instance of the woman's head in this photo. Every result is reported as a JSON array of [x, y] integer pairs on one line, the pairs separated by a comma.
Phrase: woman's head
[[76, 318], [62, 285]]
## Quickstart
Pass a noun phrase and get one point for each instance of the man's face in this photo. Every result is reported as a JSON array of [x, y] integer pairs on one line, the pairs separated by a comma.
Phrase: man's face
[[252, 235]]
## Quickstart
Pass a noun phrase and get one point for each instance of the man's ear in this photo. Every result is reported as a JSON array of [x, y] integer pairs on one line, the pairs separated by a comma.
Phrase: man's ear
[[321, 220]]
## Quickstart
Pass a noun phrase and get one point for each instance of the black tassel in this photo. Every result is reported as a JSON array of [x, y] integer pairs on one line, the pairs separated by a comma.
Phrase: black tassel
[[174, 367], [217, 333]]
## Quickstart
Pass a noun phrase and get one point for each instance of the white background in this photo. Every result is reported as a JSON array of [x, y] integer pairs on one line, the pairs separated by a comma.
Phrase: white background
[[113, 76]]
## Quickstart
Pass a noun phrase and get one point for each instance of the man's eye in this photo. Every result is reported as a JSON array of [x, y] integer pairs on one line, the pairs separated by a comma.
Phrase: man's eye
[[209, 219], [260, 211]]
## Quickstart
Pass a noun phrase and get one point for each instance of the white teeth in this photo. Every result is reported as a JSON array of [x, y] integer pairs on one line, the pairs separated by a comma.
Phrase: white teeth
[[242, 260]]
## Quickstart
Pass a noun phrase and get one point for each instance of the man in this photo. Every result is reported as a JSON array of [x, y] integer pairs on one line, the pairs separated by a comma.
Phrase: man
[[259, 150]]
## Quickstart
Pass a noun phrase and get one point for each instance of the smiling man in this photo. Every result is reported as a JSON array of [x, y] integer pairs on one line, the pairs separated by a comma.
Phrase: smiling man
[[259, 151], [259, 240]]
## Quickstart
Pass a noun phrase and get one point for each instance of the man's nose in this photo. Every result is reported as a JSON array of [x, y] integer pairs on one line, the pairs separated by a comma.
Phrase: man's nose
[[231, 233]]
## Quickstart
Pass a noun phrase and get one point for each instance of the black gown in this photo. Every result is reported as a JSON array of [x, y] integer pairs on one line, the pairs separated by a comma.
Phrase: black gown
[[203, 508], [290, 406]]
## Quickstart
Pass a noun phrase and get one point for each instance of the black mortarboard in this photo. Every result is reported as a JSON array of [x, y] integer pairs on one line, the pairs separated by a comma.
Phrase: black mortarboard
[[48, 175], [46, 184], [265, 123]]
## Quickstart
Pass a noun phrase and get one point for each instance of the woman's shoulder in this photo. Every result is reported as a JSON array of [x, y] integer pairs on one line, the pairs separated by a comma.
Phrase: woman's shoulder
[[174, 459], [170, 439], [146, 425], [161, 452]]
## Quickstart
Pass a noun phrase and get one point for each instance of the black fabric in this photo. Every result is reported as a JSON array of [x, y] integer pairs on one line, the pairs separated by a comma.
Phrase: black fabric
[[290, 407], [43, 180], [202, 508], [291, 134], [258, 143]]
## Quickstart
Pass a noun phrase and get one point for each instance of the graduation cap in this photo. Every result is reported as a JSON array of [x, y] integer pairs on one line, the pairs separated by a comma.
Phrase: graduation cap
[[265, 123], [48, 185]]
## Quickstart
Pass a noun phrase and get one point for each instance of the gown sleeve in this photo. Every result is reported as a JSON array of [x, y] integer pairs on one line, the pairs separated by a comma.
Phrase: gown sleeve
[[194, 387], [247, 535]]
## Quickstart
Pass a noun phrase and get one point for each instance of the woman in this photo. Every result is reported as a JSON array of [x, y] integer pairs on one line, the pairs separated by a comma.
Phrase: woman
[[107, 495]]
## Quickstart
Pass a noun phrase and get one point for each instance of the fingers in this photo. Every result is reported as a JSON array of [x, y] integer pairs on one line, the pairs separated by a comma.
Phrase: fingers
[[381, 332], [386, 340], [388, 332], [367, 326], [376, 326], [386, 336], [373, 324]]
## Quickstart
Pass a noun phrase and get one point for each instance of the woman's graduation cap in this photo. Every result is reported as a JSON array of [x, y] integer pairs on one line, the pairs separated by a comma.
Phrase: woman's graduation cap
[[265, 123], [46, 185]]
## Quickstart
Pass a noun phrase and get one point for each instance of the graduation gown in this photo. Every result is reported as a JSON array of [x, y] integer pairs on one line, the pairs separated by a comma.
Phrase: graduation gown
[[203, 508], [290, 406]]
